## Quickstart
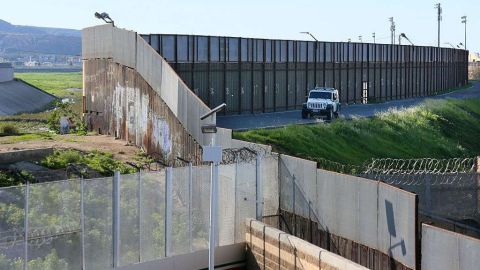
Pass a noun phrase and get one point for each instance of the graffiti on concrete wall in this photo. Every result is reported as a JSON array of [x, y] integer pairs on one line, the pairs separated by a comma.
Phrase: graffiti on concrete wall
[[122, 104]]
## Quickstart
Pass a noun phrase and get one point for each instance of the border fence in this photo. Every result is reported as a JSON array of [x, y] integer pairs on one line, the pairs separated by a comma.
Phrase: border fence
[[111, 222], [263, 75]]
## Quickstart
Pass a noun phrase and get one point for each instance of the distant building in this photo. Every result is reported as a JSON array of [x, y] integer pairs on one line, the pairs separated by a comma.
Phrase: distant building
[[474, 57], [32, 63], [6, 72]]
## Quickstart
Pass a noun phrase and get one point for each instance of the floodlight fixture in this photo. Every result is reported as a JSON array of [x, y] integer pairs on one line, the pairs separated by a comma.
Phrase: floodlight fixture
[[214, 110], [310, 34], [105, 17]]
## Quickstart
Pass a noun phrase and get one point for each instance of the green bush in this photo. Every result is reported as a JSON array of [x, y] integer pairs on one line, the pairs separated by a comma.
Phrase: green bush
[[9, 130], [61, 158], [104, 163], [66, 109]]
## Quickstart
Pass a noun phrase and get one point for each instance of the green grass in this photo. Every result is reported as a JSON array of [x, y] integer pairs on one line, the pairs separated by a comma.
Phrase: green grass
[[55, 83], [27, 137], [439, 129]]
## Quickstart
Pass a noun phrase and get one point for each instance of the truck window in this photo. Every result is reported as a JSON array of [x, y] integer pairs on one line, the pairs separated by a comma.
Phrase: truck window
[[322, 95]]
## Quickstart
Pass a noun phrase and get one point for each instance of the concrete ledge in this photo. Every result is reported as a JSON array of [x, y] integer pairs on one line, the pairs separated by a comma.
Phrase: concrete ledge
[[24, 155], [270, 248], [226, 257]]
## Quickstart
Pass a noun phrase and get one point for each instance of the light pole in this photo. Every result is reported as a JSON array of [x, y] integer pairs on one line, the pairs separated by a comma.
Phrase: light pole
[[360, 38], [213, 154], [392, 29], [464, 21], [373, 35], [310, 34], [438, 6]]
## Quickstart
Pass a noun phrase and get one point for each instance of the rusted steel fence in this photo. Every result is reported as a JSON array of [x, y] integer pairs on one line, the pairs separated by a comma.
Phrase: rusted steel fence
[[262, 75]]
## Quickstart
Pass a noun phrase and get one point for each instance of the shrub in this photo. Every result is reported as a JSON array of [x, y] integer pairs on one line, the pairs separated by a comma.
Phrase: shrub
[[9, 130], [104, 163], [61, 158], [66, 109]]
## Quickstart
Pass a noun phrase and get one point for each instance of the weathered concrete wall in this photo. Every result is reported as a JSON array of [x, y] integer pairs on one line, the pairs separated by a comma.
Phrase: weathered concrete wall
[[131, 92], [270, 248], [445, 250], [119, 102]]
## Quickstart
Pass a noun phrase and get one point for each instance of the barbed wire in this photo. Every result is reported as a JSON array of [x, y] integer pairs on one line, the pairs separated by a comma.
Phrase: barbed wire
[[390, 166], [37, 236]]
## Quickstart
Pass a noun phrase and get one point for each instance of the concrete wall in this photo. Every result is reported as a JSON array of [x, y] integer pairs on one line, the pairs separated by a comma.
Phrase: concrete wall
[[128, 49], [226, 257], [24, 155], [6, 72], [370, 213], [367, 212], [119, 102], [270, 248], [446, 250]]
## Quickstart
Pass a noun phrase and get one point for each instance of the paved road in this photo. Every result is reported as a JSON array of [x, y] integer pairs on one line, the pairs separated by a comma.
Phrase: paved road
[[278, 119]]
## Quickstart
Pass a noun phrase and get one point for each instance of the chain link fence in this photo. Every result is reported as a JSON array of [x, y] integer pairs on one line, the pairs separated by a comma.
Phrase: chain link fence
[[110, 222]]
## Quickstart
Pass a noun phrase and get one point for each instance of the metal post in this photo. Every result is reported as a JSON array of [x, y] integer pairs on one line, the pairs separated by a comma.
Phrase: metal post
[[139, 214], [428, 193], [82, 218], [116, 219], [310, 220], [190, 196], [168, 211], [294, 227], [213, 219], [258, 190], [27, 194]]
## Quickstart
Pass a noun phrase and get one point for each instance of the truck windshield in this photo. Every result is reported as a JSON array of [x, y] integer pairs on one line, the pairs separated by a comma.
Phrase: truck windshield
[[322, 95]]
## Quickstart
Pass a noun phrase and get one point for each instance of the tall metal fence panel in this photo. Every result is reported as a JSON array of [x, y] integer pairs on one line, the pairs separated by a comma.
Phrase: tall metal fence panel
[[262, 75], [116, 221]]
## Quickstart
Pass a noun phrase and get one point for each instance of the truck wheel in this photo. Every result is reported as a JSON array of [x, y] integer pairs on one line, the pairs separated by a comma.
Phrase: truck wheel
[[330, 115], [304, 115]]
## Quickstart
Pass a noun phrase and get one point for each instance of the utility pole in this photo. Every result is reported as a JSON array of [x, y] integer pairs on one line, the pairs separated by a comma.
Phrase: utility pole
[[392, 29], [360, 38], [438, 6], [373, 35], [464, 21]]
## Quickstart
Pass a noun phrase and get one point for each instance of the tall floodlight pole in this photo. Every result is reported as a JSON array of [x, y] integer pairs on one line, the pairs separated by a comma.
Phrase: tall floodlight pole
[[464, 21], [392, 30], [438, 6], [212, 153], [360, 38], [373, 35]]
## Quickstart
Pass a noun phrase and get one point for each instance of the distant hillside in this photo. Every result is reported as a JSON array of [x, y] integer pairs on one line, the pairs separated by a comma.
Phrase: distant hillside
[[16, 39]]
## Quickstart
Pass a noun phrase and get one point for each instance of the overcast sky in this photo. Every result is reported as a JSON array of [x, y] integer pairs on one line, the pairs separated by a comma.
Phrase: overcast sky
[[333, 20]]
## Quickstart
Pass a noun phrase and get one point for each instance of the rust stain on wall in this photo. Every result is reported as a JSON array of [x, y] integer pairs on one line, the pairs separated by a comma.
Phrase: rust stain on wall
[[120, 103]]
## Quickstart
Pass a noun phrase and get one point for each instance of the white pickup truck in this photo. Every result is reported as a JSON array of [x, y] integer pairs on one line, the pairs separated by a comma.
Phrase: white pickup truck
[[322, 102]]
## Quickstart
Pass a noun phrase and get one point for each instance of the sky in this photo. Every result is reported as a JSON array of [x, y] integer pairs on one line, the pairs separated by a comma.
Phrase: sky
[[334, 20]]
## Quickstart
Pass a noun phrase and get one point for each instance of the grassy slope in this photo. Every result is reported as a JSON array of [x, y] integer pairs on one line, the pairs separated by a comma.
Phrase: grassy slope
[[448, 128]]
